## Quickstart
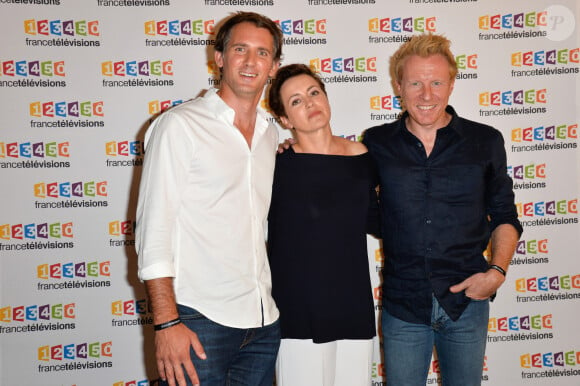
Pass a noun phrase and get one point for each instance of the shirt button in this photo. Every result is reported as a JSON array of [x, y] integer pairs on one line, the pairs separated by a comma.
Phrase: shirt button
[[427, 221], [419, 144]]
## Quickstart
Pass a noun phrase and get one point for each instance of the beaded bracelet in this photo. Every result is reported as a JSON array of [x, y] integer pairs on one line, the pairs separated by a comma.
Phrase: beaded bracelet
[[165, 325], [497, 268]]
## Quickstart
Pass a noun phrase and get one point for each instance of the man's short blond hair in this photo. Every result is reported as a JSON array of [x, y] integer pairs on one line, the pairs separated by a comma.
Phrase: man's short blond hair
[[422, 45]]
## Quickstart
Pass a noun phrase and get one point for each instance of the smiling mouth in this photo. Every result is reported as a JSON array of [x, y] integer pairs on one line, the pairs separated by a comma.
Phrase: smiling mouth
[[425, 108], [248, 75]]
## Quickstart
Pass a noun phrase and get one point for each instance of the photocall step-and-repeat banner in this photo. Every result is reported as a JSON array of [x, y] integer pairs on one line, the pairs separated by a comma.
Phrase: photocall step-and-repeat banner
[[80, 82]]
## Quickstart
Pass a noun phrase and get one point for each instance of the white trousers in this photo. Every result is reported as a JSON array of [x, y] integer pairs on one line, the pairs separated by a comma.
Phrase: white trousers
[[302, 362]]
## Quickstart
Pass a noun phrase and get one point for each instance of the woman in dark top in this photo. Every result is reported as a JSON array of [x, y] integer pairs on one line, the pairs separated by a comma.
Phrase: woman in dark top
[[323, 203]]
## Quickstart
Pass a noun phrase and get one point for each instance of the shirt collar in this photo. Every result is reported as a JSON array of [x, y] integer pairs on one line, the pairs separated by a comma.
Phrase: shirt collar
[[221, 109], [217, 104], [453, 124]]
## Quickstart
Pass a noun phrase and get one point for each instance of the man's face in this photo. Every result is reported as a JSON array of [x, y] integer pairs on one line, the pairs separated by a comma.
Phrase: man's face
[[425, 88], [247, 60]]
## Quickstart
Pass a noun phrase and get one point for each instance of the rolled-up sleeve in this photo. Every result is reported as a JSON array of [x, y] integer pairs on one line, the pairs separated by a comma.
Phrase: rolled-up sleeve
[[500, 196], [169, 150]]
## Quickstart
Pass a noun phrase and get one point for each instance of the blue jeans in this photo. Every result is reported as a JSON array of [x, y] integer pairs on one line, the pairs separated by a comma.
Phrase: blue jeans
[[234, 356], [460, 346]]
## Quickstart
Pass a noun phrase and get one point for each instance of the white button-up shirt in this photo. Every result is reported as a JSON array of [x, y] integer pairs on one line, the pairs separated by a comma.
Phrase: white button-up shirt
[[202, 211]]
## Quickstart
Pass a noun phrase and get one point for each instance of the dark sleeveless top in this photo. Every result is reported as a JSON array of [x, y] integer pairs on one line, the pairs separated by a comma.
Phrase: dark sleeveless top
[[317, 245]]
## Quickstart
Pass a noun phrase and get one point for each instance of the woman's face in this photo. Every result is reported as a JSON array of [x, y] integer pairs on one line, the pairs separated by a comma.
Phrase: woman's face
[[306, 105]]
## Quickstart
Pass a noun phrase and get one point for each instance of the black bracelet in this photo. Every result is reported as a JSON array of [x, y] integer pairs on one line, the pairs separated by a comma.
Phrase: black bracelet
[[165, 325], [497, 268]]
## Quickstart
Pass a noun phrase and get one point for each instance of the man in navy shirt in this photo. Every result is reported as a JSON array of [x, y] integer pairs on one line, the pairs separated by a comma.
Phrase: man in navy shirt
[[444, 193]]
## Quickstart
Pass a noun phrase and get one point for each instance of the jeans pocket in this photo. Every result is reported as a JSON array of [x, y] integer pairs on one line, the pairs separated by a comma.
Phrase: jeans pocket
[[188, 313], [478, 300]]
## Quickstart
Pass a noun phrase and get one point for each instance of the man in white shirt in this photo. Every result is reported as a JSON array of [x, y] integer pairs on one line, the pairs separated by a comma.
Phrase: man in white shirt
[[203, 203]]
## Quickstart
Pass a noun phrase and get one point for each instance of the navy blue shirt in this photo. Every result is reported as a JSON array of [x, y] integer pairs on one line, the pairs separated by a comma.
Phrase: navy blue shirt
[[438, 212]]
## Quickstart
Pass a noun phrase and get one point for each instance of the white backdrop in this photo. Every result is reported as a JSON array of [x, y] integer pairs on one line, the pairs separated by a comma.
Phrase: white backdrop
[[80, 81]]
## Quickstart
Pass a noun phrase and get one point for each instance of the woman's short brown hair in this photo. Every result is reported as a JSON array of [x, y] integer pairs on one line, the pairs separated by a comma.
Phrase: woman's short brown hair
[[282, 75]]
